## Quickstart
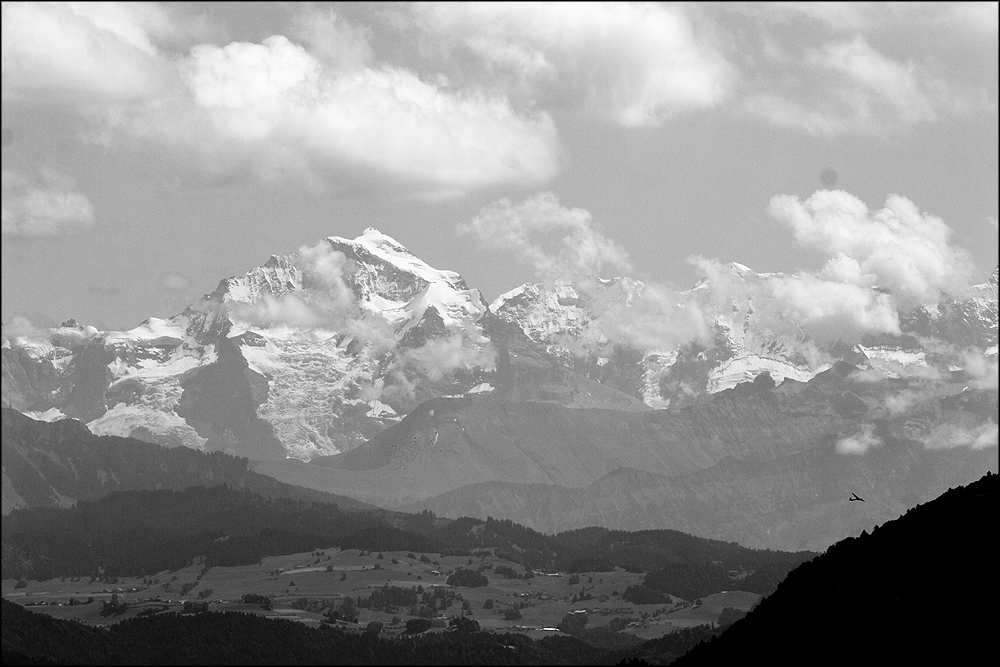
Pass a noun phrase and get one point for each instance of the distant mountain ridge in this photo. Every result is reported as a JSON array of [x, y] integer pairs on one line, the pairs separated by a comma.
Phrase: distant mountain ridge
[[57, 464], [762, 465], [315, 352]]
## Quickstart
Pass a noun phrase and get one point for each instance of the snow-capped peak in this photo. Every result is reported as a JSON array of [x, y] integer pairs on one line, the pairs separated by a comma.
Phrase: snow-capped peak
[[382, 246]]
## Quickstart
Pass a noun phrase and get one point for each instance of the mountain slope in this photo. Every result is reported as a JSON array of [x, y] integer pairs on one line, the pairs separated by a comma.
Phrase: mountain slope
[[60, 463], [579, 324], [317, 351], [863, 598], [763, 465]]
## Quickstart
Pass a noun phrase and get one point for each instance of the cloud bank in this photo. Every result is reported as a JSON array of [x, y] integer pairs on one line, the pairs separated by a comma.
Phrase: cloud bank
[[272, 110], [880, 263], [637, 64]]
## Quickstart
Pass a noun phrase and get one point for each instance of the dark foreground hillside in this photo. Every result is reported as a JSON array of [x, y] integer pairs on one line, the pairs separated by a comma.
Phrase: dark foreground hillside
[[245, 639], [919, 590]]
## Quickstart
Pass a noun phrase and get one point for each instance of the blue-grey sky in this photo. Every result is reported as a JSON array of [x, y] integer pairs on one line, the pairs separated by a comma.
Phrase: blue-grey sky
[[150, 150]]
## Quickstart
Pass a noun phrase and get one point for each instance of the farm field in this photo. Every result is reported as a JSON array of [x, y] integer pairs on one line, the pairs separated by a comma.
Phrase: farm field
[[324, 577]]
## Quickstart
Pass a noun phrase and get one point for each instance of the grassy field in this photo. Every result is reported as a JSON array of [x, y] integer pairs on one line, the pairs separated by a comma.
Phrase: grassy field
[[332, 574]]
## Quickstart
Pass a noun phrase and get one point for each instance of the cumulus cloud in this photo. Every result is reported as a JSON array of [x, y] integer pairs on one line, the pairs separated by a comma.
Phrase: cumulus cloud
[[860, 442], [896, 247], [637, 64], [43, 206], [90, 52], [558, 242], [880, 263], [275, 110]]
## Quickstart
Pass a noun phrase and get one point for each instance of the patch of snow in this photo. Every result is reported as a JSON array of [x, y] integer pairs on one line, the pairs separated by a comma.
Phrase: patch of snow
[[122, 419], [50, 415], [745, 369]]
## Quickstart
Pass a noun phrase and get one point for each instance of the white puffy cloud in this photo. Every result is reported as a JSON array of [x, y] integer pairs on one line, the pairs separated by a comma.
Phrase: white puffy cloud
[[83, 51], [558, 242], [881, 263], [45, 206], [637, 63], [274, 110], [896, 247], [860, 442]]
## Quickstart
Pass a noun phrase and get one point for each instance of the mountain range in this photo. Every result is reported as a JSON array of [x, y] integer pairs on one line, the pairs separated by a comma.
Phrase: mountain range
[[353, 367]]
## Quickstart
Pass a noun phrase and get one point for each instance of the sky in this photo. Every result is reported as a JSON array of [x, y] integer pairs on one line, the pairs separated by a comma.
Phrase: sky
[[150, 150]]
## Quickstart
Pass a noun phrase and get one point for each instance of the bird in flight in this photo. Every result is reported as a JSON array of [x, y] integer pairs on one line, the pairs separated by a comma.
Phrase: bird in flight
[[854, 497]]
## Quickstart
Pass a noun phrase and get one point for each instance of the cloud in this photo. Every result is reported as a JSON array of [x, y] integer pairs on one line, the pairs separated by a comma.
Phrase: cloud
[[982, 369], [81, 52], [881, 263], [325, 302], [861, 79], [331, 39], [45, 206], [796, 304], [558, 242], [635, 63], [649, 316], [274, 110], [860, 442], [174, 281], [847, 86], [42, 331], [896, 247], [950, 436], [439, 357], [897, 404]]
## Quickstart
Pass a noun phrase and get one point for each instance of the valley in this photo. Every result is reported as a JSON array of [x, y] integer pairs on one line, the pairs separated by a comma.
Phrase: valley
[[319, 578]]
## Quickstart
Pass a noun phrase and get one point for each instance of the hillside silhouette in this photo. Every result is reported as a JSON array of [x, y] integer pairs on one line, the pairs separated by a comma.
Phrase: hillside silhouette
[[921, 589]]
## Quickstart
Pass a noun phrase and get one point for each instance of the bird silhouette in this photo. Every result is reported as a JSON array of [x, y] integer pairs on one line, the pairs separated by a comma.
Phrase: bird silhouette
[[854, 497]]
